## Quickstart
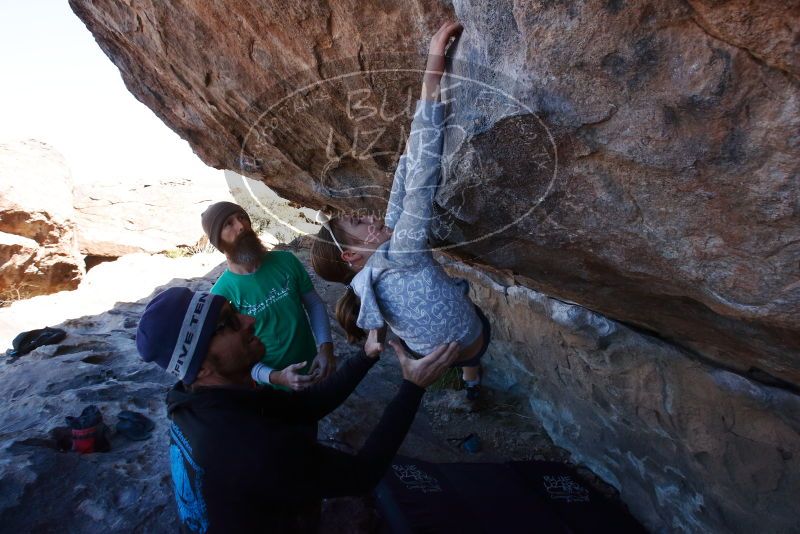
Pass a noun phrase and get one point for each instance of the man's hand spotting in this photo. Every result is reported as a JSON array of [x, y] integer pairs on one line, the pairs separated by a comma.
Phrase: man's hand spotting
[[427, 370]]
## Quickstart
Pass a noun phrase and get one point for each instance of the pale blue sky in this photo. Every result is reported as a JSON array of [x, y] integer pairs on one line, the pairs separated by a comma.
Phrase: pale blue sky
[[56, 85]]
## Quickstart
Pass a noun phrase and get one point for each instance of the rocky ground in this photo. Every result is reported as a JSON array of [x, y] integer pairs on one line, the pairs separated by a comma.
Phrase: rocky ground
[[128, 489], [115, 218]]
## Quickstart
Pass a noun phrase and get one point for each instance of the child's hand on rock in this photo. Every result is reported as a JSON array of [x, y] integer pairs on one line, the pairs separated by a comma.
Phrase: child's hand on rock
[[435, 65]]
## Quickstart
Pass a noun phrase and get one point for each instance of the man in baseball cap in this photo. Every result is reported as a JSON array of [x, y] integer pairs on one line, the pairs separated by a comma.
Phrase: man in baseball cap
[[241, 460], [177, 332]]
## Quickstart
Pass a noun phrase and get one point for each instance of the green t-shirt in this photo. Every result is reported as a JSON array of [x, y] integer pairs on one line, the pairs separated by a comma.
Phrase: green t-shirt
[[272, 296]]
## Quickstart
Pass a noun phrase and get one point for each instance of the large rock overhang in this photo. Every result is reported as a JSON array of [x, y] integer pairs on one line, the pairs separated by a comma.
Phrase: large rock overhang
[[638, 159]]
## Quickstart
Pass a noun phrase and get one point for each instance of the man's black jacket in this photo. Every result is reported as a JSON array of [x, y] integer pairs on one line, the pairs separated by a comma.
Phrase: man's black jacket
[[243, 460]]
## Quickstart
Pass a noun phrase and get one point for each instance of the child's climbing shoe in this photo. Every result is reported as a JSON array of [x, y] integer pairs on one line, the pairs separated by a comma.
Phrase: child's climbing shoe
[[473, 387]]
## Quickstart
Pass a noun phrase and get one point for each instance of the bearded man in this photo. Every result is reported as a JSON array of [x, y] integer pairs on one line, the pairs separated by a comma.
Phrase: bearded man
[[274, 288]]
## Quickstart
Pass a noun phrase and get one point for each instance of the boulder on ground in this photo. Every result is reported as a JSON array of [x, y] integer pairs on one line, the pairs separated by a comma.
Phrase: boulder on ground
[[146, 215], [38, 242]]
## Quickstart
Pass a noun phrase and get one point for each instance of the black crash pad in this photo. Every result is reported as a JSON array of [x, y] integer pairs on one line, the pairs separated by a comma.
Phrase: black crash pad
[[513, 497]]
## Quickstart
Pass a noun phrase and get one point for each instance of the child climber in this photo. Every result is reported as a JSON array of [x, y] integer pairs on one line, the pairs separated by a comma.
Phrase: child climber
[[391, 276]]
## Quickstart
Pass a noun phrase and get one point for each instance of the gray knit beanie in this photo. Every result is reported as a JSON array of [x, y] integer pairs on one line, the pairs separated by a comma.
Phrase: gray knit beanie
[[214, 217]]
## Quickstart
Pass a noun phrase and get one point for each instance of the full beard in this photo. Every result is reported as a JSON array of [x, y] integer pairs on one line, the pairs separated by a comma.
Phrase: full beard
[[234, 371], [247, 249]]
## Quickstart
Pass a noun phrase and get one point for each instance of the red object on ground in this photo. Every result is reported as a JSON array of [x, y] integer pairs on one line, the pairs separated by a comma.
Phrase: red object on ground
[[83, 439]]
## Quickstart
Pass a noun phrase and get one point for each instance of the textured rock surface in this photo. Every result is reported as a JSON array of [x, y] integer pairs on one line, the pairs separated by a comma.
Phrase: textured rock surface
[[767, 30], [638, 158], [675, 129], [692, 448], [677, 200], [115, 219], [38, 245], [276, 219]]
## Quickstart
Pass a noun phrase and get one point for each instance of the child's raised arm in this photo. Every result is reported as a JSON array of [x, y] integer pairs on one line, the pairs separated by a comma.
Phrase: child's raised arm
[[395, 206], [434, 68], [416, 178]]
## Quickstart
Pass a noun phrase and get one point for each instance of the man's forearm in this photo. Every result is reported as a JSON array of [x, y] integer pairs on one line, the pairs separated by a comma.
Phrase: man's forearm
[[388, 435], [323, 397], [318, 318], [326, 349], [343, 474]]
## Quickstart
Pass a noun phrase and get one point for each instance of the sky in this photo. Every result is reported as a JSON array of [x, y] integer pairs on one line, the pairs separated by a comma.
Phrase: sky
[[57, 86]]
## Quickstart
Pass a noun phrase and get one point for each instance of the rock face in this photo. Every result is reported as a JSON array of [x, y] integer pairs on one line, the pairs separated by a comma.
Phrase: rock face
[[38, 245], [672, 129], [640, 159], [152, 216], [692, 448], [51, 230], [676, 202], [273, 217]]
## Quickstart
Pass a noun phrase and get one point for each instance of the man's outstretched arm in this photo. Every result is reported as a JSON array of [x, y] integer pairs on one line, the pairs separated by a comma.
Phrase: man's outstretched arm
[[344, 474], [317, 401]]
